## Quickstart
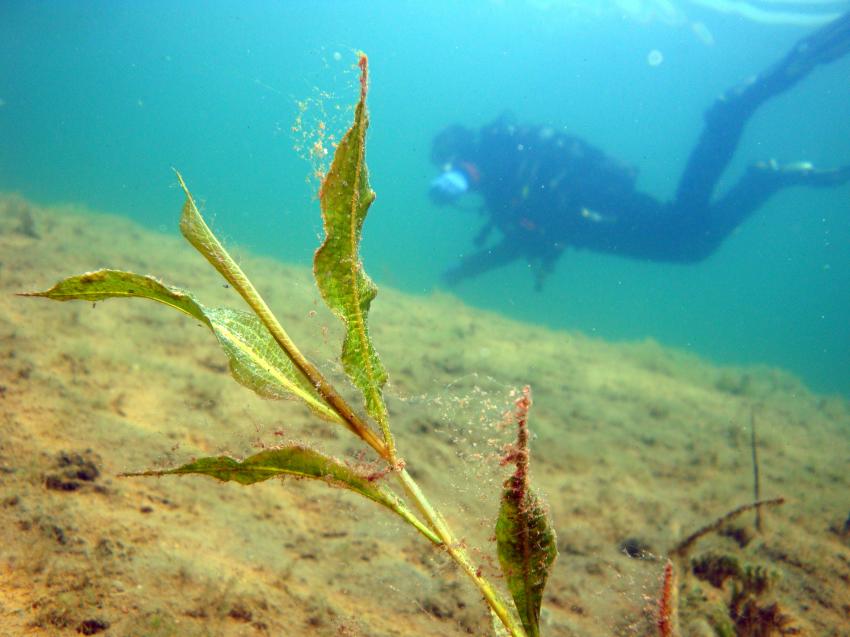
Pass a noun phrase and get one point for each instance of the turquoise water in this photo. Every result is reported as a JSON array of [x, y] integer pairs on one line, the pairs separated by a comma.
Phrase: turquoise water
[[100, 100]]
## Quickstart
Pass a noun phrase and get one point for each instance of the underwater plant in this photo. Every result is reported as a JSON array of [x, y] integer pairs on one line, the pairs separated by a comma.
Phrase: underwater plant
[[263, 358], [745, 612]]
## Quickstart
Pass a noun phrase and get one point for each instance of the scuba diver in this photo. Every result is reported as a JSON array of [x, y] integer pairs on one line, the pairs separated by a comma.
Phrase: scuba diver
[[545, 190]]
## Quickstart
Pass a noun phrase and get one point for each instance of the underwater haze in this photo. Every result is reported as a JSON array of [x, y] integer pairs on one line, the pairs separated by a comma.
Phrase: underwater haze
[[99, 100]]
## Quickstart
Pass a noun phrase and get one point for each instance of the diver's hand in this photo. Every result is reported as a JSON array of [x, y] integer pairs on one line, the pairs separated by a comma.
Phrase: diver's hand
[[448, 187]]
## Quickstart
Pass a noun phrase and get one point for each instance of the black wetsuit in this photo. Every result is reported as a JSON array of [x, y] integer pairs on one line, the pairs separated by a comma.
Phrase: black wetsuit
[[544, 190]]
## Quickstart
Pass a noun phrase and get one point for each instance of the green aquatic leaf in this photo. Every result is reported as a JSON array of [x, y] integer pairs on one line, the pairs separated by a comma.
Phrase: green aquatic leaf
[[106, 284], [525, 543], [525, 539], [345, 197], [254, 357], [257, 362], [301, 462]]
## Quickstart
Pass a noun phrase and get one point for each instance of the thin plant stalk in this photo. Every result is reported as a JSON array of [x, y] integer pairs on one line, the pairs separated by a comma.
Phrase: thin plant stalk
[[458, 554]]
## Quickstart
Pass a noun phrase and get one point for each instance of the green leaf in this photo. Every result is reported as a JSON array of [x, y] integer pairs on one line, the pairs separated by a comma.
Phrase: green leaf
[[300, 462], [345, 197], [106, 284], [257, 362], [525, 542], [254, 357]]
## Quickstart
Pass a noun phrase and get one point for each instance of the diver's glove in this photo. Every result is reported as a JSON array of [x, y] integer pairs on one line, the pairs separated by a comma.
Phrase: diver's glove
[[449, 186]]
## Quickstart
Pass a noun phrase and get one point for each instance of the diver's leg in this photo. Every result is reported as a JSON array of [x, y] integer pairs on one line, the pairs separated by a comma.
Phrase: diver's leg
[[761, 182], [482, 261], [725, 120]]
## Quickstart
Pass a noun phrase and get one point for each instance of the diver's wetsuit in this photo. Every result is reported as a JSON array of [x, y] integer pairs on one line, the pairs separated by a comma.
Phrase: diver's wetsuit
[[545, 190]]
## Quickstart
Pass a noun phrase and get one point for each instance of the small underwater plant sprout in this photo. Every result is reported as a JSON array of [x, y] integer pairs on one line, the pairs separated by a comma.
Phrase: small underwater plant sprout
[[263, 358]]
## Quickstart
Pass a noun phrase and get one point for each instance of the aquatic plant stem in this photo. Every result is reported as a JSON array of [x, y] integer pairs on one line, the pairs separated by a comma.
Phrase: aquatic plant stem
[[458, 554], [682, 548], [668, 603], [755, 455]]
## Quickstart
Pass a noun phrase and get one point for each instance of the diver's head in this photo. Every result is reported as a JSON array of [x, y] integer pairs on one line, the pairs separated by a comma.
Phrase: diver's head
[[452, 144]]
